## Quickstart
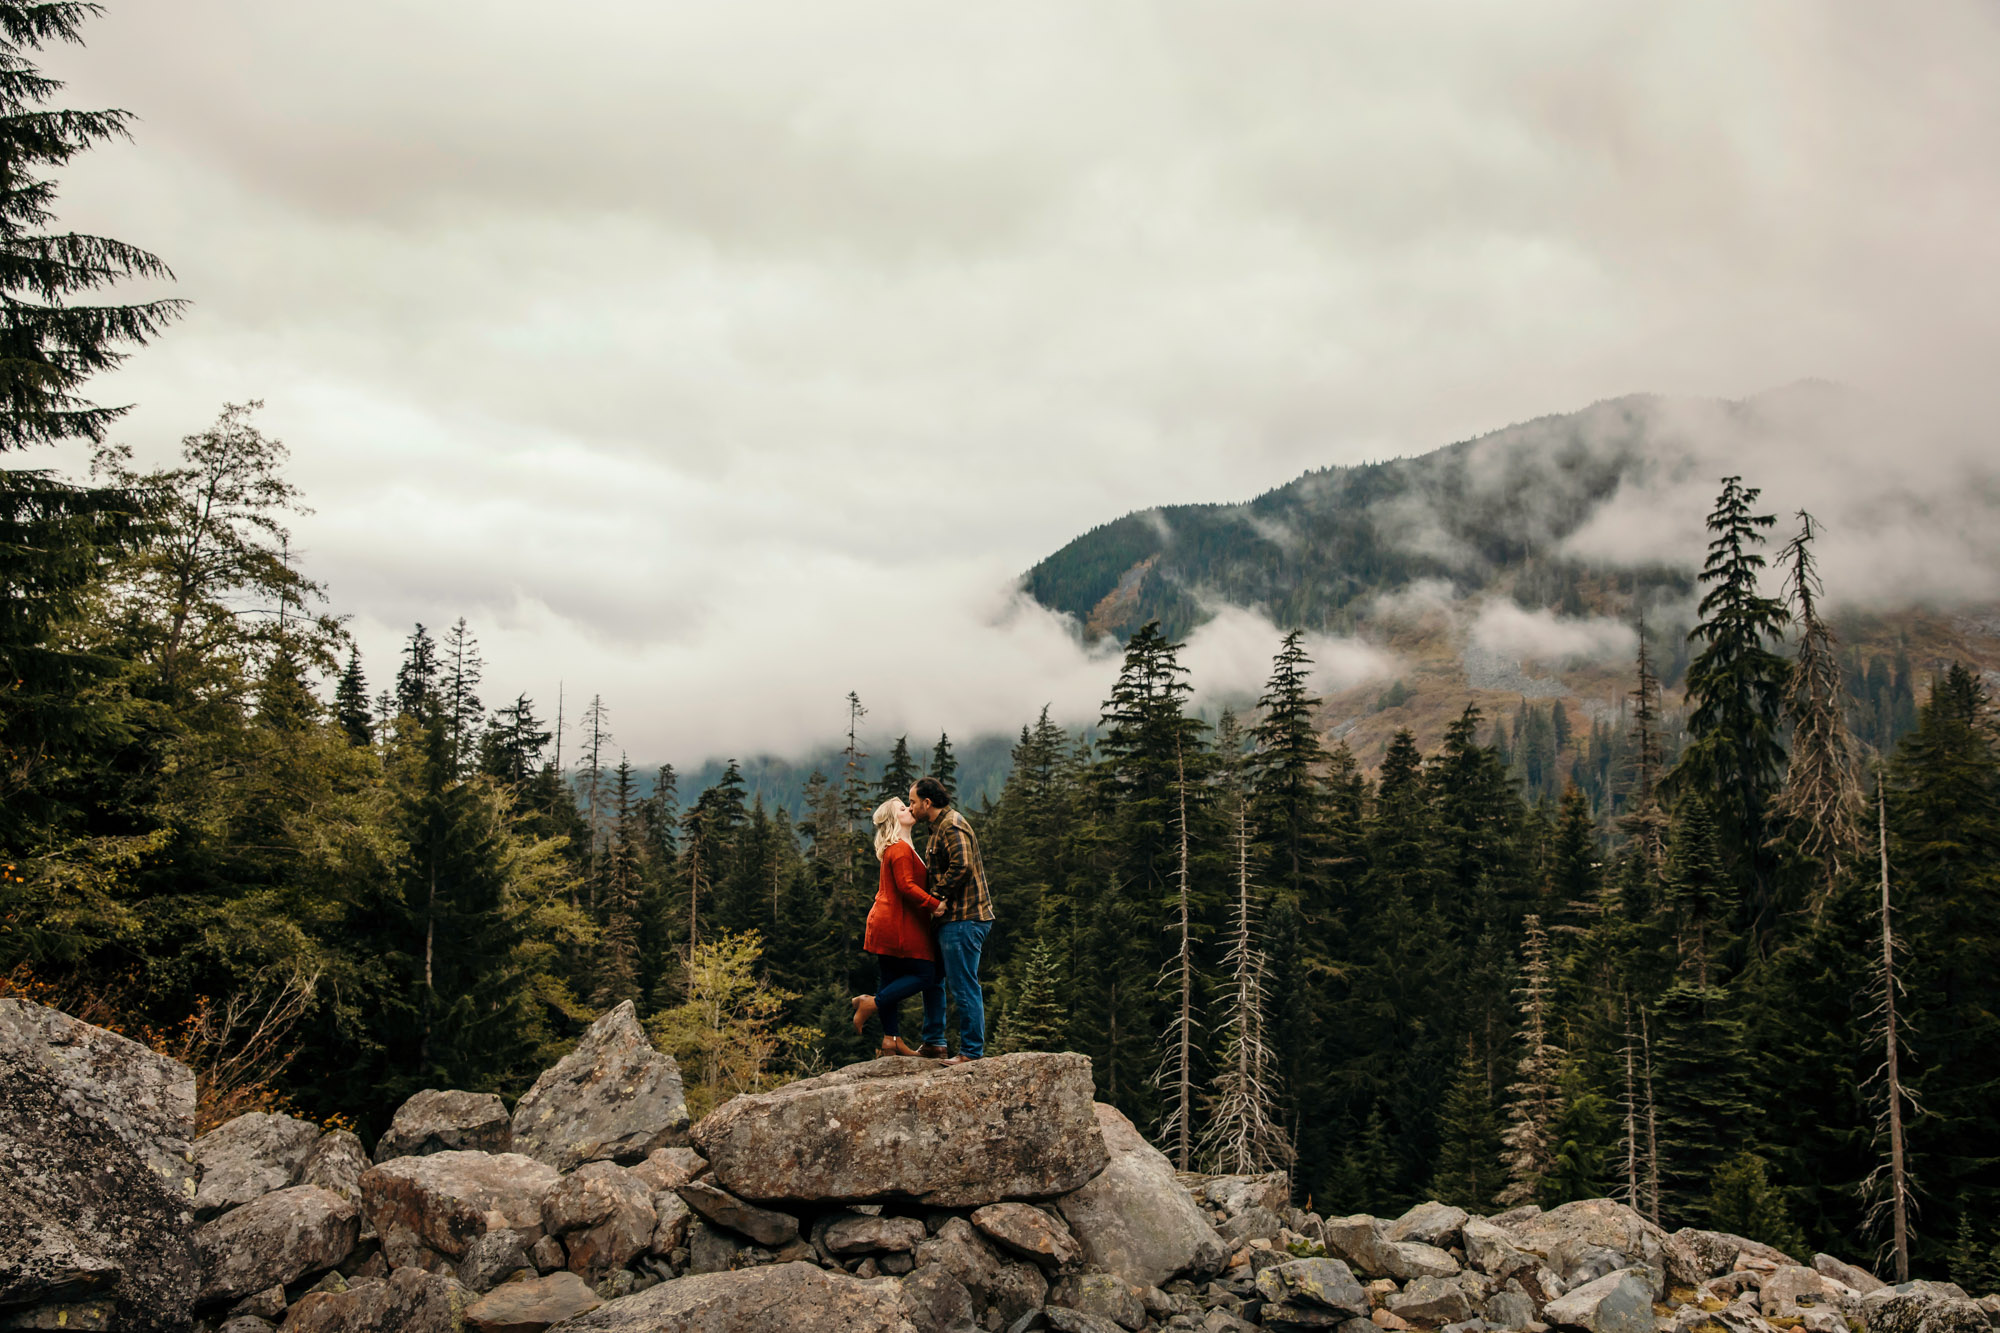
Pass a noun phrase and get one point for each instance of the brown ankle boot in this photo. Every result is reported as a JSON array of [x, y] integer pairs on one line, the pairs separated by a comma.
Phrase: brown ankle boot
[[932, 1052], [895, 1046]]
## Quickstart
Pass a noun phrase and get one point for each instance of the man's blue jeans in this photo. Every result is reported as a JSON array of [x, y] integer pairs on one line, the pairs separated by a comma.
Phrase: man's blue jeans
[[961, 943]]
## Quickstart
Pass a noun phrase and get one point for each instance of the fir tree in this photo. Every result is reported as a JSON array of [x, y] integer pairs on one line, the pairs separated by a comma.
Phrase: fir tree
[[350, 701], [944, 764], [596, 740], [1696, 890], [1538, 1102], [462, 667], [1644, 821], [1289, 805], [899, 774], [1035, 1020], [511, 748], [417, 677], [1469, 1172], [617, 970]]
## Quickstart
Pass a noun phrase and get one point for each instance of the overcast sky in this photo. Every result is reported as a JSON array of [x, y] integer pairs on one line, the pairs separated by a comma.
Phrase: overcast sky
[[724, 357]]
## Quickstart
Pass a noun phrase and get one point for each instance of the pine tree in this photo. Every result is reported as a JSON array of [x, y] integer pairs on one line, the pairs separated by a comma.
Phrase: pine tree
[[617, 970], [944, 764], [1815, 809], [899, 773], [350, 701], [417, 677], [1736, 685], [1538, 1101], [1696, 890], [511, 748], [1035, 1020], [1469, 1172], [1644, 821], [1289, 802], [462, 667]]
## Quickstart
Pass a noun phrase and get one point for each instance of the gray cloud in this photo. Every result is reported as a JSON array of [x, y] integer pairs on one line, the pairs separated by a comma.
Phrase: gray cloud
[[725, 358]]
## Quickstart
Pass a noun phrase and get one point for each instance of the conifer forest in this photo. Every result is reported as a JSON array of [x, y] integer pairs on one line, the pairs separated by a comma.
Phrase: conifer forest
[[1724, 955]]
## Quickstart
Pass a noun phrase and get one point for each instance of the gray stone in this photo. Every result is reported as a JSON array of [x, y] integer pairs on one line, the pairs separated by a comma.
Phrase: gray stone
[[531, 1306], [1232, 1194], [937, 1301], [1509, 1309], [245, 1323], [670, 1227], [1031, 1232], [1590, 1238], [604, 1215], [1433, 1301], [1135, 1219], [1860, 1279], [1326, 1283], [1492, 1251], [428, 1210], [1356, 1240], [491, 1260], [274, 1241], [410, 1300], [266, 1304], [1065, 1320], [780, 1298], [1105, 1295], [336, 1163], [667, 1169], [1431, 1223], [959, 1136], [129, 1257], [1013, 1288], [860, 1234], [1922, 1312], [546, 1254], [433, 1121], [249, 1157], [1717, 1252], [1620, 1302], [1254, 1223], [612, 1098], [711, 1249], [1794, 1291], [1408, 1260], [763, 1225]]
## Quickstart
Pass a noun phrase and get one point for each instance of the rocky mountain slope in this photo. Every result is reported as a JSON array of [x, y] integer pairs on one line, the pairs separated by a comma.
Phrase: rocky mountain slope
[[896, 1195]]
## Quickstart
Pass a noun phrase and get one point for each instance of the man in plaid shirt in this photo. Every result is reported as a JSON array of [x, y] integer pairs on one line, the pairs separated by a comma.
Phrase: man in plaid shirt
[[964, 913]]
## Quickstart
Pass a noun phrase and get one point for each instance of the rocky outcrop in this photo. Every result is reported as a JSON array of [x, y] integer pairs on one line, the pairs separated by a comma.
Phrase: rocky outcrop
[[249, 1157], [1434, 1224], [1134, 1218], [603, 1214], [1925, 1312], [785, 1298], [1592, 1238], [95, 1212], [1620, 1302], [612, 1098], [1848, 1275], [1009, 1127], [431, 1208], [274, 1241], [433, 1121], [336, 1163]]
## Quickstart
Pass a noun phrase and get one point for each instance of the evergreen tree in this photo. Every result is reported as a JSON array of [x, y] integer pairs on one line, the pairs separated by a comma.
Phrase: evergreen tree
[[944, 764], [617, 969], [511, 748], [1538, 1102], [1644, 821], [1696, 891], [350, 701], [1469, 1173], [1035, 1021], [899, 774], [1289, 805], [462, 667], [417, 677]]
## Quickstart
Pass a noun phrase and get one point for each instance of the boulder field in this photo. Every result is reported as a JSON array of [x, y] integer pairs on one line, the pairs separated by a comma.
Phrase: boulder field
[[896, 1195]]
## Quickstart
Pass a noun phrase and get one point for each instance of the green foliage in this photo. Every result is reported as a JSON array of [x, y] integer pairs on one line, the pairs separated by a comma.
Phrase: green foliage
[[1744, 1202]]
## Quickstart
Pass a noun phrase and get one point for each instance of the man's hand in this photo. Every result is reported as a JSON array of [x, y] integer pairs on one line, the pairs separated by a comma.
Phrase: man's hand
[[938, 911]]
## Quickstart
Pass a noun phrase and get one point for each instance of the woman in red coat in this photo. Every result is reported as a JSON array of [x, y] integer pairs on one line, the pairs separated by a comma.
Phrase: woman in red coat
[[900, 933]]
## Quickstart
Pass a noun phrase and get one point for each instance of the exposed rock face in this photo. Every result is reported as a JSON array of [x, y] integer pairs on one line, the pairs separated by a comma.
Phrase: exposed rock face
[[1860, 1279], [614, 1098], [249, 1157], [438, 1205], [530, 1307], [604, 1215], [762, 1225], [62, 1144], [1430, 1223], [336, 1163], [1717, 1252], [1592, 1238], [408, 1301], [1918, 1312], [142, 1097], [1008, 1127], [1433, 1302], [432, 1121], [1620, 1302], [1135, 1219], [1031, 1232], [274, 1241], [783, 1298]]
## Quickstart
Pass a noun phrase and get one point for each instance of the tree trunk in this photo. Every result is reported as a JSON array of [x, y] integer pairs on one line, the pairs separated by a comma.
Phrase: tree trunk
[[1898, 1179]]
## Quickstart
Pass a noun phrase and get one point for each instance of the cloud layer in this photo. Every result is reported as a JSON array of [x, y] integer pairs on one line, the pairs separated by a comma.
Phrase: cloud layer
[[722, 358]]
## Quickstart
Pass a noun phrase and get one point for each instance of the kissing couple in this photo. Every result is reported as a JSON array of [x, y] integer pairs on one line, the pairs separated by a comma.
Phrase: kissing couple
[[928, 925]]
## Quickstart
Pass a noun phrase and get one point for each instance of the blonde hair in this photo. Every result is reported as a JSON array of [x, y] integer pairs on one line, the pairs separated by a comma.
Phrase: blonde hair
[[887, 828]]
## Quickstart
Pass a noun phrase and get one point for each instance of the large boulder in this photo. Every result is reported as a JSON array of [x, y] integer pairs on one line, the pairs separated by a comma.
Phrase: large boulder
[[1620, 1302], [1795, 1291], [437, 1205], [1492, 1251], [1592, 1238], [249, 1157], [96, 1207], [531, 1306], [1031, 1232], [433, 1121], [779, 1298], [1860, 1279], [613, 1098], [1134, 1218], [408, 1301], [1924, 1312], [1324, 1284], [1359, 1242], [1233, 1194], [273, 1241], [763, 1225], [1717, 1252], [336, 1163], [1432, 1223], [604, 1214], [1010, 1127], [1432, 1302], [141, 1096]]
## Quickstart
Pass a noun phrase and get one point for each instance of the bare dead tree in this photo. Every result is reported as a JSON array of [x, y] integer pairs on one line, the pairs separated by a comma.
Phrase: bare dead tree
[[1176, 1076], [1888, 1185], [1529, 1142], [1652, 1123], [1245, 1134], [1815, 809], [1631, 1103]]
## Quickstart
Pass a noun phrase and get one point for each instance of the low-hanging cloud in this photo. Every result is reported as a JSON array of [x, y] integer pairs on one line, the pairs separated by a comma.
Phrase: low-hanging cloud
[[1503, 628]]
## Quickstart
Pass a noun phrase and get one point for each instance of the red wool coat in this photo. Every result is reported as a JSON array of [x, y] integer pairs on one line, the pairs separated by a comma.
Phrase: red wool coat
[[899, 922]]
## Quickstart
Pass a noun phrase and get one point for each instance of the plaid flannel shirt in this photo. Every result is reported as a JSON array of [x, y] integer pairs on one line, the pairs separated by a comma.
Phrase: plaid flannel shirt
[[957, 874]]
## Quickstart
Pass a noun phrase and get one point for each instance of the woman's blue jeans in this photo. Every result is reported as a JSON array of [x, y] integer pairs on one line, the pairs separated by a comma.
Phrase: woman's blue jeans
[[902, 978]]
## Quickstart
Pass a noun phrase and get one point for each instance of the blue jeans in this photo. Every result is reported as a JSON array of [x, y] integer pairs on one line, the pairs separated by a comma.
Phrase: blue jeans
[[960, 942], [902, 978]]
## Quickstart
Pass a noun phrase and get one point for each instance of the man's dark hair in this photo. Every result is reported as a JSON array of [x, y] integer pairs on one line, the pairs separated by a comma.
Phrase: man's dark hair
[[930, 789]]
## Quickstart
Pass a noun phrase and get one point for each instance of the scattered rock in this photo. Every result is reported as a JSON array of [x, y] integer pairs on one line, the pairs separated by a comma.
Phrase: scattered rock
[[1325, 1283], [408, 1301], [612, 1098], [249, 1157], [433, 1121], [938, 1301], [669, 1168], [1065, 1320], [1434, 1301], [1105, 1295], [604, 1215], [1923, 1312], [1717, 1252], [274, 1241], [861, 1234], [1255, 1222], [719, 1206], [1794, 1291], [670, 1229], [245, 1323], [1388, 1319], [439, 1204], [491, 1260], [1620, 1302], [1509, 1309], [1431, 1223], [1014, 1288], [1492, 1251], [1592, 1238], [546, 1254], [782, 1298], [336, 1163], [266, 1304], [1135, 1219], [711, 1249], [1008, 1127], [1233, 1194], [1860, 1279], [1033, 1233], [531, 1306]]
